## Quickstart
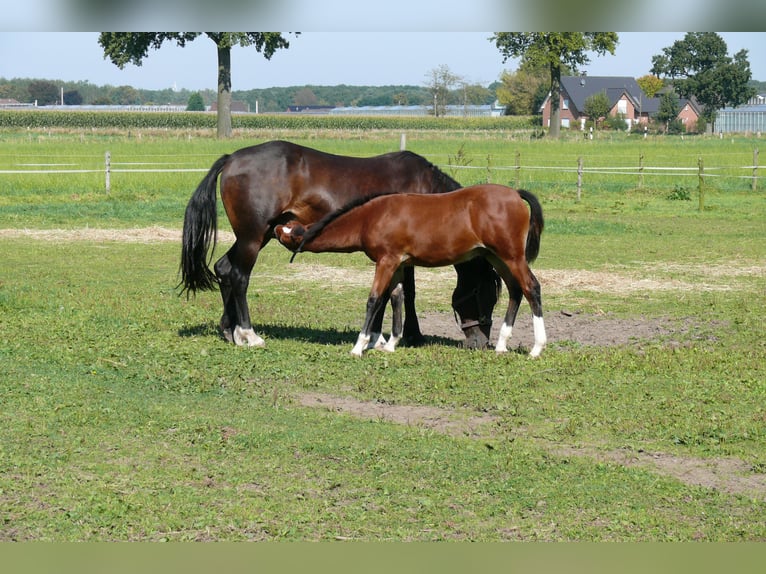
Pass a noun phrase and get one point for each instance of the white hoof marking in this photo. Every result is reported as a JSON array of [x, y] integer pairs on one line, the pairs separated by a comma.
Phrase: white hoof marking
[[361, 344], [247, 338], [377, 341], [541, 338], [502, 339]]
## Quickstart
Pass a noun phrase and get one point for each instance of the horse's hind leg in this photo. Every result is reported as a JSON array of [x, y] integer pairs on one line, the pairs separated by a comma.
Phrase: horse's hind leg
[[233, 271]]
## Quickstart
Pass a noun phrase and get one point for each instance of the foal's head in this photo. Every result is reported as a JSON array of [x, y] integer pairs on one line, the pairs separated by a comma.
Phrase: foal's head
[[290, 234]]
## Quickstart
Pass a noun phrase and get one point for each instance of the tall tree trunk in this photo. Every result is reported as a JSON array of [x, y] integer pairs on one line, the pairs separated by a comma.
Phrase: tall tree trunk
[[224, 91], [555, 127]]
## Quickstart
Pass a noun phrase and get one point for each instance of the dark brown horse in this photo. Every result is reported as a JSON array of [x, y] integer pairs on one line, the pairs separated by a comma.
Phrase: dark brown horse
[[267, 184], [399, 231]]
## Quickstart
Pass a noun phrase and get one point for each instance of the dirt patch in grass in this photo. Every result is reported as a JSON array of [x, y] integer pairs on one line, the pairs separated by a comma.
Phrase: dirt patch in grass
[[450, 422], [728, 474], [566, 327]]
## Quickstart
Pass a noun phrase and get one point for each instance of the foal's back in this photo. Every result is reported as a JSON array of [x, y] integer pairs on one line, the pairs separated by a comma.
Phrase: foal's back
[[436, 230]]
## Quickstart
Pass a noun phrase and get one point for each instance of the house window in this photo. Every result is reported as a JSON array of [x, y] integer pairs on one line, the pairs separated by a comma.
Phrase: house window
[[565, 122], [622, 107], [565, 104]]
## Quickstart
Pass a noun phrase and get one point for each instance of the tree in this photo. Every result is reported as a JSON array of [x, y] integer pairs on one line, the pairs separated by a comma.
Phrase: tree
[[519, 92], [555, 50], [699, 67], [596, 107], [305, 97], [650, 84], [439, 83], [124, 48], [45, 93], [72, 98], [668, 110], [196, 103]]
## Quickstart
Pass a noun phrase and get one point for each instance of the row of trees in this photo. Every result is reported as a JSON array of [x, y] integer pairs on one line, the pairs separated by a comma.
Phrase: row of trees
[[697, 66], [277, 99]]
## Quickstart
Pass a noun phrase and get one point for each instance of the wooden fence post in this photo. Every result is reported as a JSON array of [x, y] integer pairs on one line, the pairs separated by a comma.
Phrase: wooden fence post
[[640, 170], [518, 169], [403, 142], [579, 178], [108, 170], [755, 170], [701, 167]]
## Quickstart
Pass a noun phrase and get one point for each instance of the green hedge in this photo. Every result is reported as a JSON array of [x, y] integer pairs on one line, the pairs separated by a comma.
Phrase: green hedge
[[43, 119]]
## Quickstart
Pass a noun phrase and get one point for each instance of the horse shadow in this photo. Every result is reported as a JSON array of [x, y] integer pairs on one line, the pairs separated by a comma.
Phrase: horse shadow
[[305, 334]]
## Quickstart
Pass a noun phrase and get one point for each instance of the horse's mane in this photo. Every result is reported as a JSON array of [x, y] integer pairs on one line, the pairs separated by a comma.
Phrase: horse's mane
[[317, 228], [440, 181]]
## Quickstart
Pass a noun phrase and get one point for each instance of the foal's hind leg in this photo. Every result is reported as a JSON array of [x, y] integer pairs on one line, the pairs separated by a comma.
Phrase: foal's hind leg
[[514, 300], [519, 279]]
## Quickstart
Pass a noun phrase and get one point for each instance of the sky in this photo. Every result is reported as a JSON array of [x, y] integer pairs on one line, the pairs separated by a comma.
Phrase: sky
[[322, 58]]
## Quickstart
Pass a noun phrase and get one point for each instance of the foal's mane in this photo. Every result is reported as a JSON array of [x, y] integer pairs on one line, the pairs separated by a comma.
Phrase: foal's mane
[[317, 228]]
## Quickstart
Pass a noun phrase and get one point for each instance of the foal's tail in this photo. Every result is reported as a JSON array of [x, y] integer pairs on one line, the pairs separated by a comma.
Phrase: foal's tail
[[536, 225], [200, 233]]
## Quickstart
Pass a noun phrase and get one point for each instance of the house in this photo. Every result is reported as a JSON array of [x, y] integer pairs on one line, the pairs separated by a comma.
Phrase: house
[[625, 96], [689, 114]]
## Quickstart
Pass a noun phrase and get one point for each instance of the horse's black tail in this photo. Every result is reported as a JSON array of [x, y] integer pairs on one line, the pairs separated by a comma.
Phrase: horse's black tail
[[536, 225], [200, 233]]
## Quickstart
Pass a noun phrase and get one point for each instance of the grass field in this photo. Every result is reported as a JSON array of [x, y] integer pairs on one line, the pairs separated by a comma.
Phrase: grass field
[[126, 417]]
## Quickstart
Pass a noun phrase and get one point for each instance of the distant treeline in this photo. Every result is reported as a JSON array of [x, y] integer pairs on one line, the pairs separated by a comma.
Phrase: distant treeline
[[49, 92]]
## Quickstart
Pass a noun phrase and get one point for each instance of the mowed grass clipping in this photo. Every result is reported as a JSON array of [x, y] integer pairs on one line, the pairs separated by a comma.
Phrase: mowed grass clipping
[[129, 418]]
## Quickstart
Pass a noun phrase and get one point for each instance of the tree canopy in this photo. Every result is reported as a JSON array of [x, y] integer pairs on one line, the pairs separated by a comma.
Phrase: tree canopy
[[124, 48], [556, 51], [699, 67]]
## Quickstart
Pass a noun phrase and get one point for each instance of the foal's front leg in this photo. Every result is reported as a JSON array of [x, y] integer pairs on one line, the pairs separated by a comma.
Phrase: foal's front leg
[[374, 304], [397, 298], [384, 271]]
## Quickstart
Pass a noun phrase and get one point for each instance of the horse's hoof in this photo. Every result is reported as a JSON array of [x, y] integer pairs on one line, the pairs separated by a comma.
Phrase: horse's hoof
[[416, 340], [247, 338], [227, 335]]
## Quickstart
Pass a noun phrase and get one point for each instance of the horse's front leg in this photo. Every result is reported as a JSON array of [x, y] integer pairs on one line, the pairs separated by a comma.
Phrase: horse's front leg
[[412, 333]]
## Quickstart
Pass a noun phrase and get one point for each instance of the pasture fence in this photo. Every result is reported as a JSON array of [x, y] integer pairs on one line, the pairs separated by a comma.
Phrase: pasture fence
[[584, 170]]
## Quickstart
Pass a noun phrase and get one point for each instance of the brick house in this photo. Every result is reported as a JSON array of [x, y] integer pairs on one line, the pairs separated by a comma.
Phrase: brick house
[[625, 98]]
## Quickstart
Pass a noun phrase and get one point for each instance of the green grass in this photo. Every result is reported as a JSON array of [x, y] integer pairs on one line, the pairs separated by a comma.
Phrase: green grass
[[126, 417]]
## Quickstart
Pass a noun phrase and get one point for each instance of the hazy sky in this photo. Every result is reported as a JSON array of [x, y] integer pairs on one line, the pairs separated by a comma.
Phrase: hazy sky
[[321, 58]]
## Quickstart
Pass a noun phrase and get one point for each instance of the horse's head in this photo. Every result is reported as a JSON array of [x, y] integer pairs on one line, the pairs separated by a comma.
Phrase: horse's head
[[474, 299], [290, 234]]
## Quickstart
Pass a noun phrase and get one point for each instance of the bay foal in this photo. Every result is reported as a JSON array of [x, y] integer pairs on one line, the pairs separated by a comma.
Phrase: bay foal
[[400, 230]]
